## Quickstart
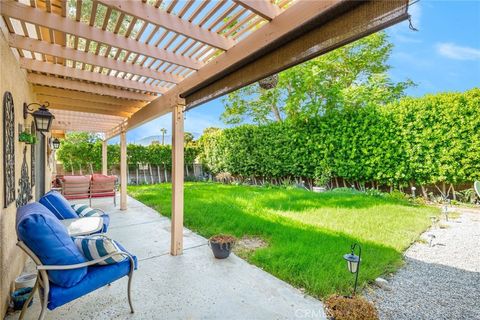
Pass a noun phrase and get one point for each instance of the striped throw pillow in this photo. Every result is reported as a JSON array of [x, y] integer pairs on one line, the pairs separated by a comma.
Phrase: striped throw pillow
[[95, 247], [84, 210]]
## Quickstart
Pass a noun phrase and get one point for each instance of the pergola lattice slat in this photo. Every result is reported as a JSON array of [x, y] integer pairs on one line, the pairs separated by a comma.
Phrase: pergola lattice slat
[[79, 29], [89, 109], [56, 50], [86, 87], [78, 95], [263, 8], [59, 70], [81, 103], [170, 22]]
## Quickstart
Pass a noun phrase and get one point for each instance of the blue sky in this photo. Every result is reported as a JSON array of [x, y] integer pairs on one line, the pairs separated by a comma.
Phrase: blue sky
[[444, 55]]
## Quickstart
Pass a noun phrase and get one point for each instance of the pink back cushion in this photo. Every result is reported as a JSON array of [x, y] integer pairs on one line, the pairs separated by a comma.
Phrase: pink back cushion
[[102, 183], [76, 185]]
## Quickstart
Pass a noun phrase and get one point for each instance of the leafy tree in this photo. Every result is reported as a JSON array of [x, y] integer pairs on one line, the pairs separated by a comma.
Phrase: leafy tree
[[188, 138], [351, 76]]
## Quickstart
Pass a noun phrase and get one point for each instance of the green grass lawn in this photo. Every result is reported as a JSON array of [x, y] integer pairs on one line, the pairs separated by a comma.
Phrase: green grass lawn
[[307, 233]]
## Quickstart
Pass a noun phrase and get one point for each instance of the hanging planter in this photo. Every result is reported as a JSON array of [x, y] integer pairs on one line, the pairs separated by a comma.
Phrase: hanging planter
[[27, 138], [269, 82]]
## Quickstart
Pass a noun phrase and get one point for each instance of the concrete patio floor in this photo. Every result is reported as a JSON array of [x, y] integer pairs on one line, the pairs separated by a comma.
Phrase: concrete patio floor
[[194, 285]]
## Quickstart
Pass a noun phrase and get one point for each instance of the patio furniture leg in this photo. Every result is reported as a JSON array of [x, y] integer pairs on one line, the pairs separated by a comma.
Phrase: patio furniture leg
[[130, 276], [44, 302], [25, 305]]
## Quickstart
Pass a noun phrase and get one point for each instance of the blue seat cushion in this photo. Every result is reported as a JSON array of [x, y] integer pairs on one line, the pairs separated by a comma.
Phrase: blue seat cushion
[[48, 238], [97, 277], [58, 205]]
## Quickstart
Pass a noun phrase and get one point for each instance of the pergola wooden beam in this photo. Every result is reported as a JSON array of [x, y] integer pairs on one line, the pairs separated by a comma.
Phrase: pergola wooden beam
[[90, 110], [263, 8], [261, 40], [80, 103], [82, 127], [19, 42], [170, 22], [59, 70], [86, 87], [78, 95], [56, 22]]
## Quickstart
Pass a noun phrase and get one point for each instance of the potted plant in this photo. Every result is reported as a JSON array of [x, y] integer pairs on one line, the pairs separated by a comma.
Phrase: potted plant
[[27, 138], [221, 245]]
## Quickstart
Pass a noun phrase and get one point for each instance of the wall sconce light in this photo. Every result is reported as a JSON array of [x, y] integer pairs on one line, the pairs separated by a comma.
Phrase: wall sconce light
[[56, 144], [42, 117]]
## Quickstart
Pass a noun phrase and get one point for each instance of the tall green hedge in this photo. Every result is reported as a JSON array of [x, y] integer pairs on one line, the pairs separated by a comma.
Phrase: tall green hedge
[[425, 140], [85, 154]]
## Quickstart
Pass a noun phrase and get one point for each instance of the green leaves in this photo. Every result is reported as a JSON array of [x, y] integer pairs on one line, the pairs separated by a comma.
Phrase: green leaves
[[431, 139], [82, 149], [352, 76]]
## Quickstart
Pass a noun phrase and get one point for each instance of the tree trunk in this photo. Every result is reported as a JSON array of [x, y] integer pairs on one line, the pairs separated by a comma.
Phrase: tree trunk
[[276, 112], [444, 189], [424, 192], [158, 173], [453, 192], [165, 171], [151, 173], [136, 170], [336, 182], [145, 176]]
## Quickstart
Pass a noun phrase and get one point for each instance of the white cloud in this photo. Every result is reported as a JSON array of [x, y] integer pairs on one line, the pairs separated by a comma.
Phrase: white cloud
[[453, 51]]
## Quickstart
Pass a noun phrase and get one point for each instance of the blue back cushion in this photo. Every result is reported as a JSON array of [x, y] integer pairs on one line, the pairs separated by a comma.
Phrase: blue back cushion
[[58, 205], [48, 238]]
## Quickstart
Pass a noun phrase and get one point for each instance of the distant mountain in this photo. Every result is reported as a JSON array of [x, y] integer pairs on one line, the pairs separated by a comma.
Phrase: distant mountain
[[168, 139]]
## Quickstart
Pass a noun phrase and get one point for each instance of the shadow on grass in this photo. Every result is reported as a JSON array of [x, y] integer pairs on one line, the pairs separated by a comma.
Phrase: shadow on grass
[[304, 256]]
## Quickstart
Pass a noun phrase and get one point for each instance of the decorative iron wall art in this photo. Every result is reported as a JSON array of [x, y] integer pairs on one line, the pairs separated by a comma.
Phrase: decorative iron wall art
[[8, 149], [24, 187], [32, 157]]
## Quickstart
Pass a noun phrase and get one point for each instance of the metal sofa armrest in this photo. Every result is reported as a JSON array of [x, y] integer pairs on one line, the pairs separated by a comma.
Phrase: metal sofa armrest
[[98, 209], [86, 264]]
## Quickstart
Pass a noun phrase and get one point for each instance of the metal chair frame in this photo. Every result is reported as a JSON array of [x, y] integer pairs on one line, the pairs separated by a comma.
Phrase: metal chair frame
[[44, 282]]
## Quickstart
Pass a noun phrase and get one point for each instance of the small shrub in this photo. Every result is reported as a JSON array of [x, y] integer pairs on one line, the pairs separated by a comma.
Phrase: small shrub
[[395, 194], [346, 308], [374, 193]]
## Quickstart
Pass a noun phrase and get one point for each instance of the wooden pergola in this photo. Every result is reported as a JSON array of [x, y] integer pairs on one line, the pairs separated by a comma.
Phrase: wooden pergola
[[111, 65]]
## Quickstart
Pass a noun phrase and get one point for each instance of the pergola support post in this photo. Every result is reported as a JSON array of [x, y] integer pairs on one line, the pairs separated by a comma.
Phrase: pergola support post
[[123, 170], [104, 157], [177, 178]]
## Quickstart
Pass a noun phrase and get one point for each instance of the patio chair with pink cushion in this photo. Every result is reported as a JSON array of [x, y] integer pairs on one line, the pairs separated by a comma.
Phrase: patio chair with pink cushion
[[103, 186], [76, 187]]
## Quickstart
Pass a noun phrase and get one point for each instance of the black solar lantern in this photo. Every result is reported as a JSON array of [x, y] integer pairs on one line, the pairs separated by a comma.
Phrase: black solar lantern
[[56, 143], [42, 117], [353, 263]]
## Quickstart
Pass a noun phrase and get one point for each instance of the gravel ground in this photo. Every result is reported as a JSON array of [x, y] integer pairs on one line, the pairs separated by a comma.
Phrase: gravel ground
[[441, 281]]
